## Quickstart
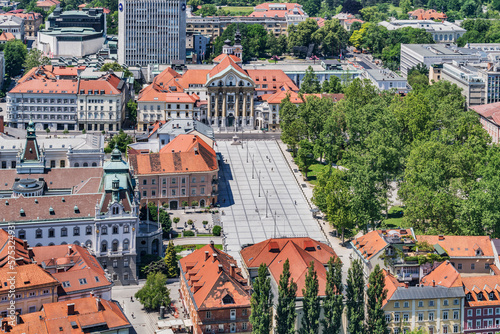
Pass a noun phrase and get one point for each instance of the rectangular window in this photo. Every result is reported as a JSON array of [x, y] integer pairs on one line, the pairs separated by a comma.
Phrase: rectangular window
[[469, 312], [193, 180], [221, 328], [396, 304], [431, 316], [387, 318], [183, 180], [455, 328], [431, 303], [173, 192], [445, 329], [193, 191], [209, 315], [455, 315], [406, 304], [445, 315], [144, 193], [456, 301], [472, 266], [202, 191], [420, 317], [174, 180], [445, 302], [244, 326], [478, 312], [396, 317], [82, 281], [406, 317], [420, 303], [478, 323]]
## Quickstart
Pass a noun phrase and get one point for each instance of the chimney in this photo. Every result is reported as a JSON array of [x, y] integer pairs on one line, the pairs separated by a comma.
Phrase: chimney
[[441, 237], [215, 256], [18, 319], [220, 268], [212, 243], [5, 325], [433, 283], [100, 307], [194, 138], [71, 309], [407, 285], [207, 255], [70, 250], [232, 270]]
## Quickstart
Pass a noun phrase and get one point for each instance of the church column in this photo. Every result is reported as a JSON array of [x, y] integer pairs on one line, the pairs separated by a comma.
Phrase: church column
[[209, 109], [217, 115], [236, 110], [251, 112], [224, 96]]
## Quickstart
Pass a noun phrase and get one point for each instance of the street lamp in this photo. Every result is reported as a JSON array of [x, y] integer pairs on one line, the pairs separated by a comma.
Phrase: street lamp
[[267, 203], [259, 183], [253, 158]]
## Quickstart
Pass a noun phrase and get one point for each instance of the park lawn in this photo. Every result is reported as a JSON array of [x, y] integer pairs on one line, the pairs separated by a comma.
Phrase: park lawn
[[313, 173], [180, 248], [395, 218], [397, 9], [245, 10]]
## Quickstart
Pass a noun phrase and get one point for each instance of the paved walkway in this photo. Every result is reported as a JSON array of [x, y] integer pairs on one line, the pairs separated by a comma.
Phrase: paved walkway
[[195, 241], [247, 216]]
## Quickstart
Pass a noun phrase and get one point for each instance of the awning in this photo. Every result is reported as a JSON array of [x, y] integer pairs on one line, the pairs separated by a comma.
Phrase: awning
[[164, 324], [188, 323], [177, 322], [164, 331]]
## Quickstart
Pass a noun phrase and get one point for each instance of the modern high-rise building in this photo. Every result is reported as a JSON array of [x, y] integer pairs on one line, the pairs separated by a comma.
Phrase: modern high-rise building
[[151, 31]]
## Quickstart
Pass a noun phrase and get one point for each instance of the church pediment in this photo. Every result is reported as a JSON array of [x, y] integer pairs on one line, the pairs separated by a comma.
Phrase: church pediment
[[230, 77]]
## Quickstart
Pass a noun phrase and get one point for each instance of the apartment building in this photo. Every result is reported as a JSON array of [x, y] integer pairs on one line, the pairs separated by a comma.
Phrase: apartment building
[[482, 304], [489, 115], [184, 171], [441, 31], [385, 79], [215, 293], [57, 98], [13, 25], [434, 308], [32, 22], [142, 43]]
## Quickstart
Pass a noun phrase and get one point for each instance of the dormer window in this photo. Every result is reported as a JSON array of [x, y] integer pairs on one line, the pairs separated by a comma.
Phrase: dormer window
[[469, 296], [491, 296], [227, 300], [480, 296]]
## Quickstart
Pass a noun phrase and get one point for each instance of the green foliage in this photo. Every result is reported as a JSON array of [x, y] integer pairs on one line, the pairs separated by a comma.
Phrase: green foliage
[[14, 54], [206, 10], [333, 305], [152, 214], [205, 222], [355, 298], [480, 31], [115, 67], [185, 203], [261, 303], [122, 140], [301, 34], [112, 23], [376, 294], [171, 261], [305, 155], [310, 302], [310, 83], [216, 230], [188, 233], [177, 220], [190, 222], [253, 40], [194, 203], [154, 293], [132, 110], [35, 58], [285, 310], [332, 86]]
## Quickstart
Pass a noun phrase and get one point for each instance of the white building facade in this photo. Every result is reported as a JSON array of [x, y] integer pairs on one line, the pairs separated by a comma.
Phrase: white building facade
[[151, 31]]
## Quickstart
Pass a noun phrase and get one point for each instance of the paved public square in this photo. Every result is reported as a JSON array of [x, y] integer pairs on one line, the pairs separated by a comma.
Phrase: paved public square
[[247, 218]]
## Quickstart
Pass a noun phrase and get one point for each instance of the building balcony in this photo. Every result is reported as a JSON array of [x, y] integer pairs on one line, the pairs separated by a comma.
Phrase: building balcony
[[215, 181]]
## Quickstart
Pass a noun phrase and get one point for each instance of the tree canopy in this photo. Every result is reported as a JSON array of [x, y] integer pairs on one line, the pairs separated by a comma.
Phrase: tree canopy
[[15, 54], [154, 293]]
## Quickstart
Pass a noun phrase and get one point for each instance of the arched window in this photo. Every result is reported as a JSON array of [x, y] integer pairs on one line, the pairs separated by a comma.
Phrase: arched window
[[88, 244], [104, 246], [51, 244], [52, 232], [88, 230], [451, 37], [38, 245], [85, 164], [125, 244], [125, 229], [94, 164], [144, 182], [76, 242], [77, 164], [115, 229], [39, 233], [64, 232], [76, 231], [22, 234], [64, 243], [104, 230], [116, 210], [114, 246]]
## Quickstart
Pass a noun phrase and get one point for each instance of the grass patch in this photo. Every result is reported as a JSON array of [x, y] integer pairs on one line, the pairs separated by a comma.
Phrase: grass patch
[[314, 170], [394, 218], [242, 10], [180, 248], [397, 9]]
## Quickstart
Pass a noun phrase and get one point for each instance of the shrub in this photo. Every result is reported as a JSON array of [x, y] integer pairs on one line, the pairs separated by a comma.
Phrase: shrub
[[184, 203], [216, 230], [190, 222], [84, 131], [194, 203], [205, 222], [165, 205], [47, 130], [65, 131], [177, 220], [188, 233]]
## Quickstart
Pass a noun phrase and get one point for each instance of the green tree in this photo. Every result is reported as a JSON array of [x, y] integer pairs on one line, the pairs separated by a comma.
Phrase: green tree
[[154, 293], [171, 261], [305, 156], [285, 310], [301, 34], [261, 303], [310, 83], [331, 38], [405, 6], [333, 303], [121, 140], [310, 302], [14, 54], [332, 86], [292, 127], [132, 110], [355, 298], [115, 67], [35, 58], [376, 294]]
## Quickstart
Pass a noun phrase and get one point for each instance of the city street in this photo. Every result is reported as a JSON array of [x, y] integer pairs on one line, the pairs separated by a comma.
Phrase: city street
[[247, 219]]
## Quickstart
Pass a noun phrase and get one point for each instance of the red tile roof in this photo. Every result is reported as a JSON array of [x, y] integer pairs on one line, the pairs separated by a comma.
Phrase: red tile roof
[[221, 57], [211, 274], [429, 14], [391, 284], [373, 242], [78, 264], [264, 10], [489, 111], [6, 36], [186, 153], [461, 246], [108, 84], [443, 275], [61, 86], [299, 251], [319, 20], [283, 92], [47, 3], [481, 284], [225, 63], [272, 78], [90, 315], [20, 251], [28, 276], [26, 16]]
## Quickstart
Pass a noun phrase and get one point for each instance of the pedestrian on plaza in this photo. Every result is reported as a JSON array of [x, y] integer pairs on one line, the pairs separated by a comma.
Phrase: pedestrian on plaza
[[131, 298], [133, 315], [295, 202]]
